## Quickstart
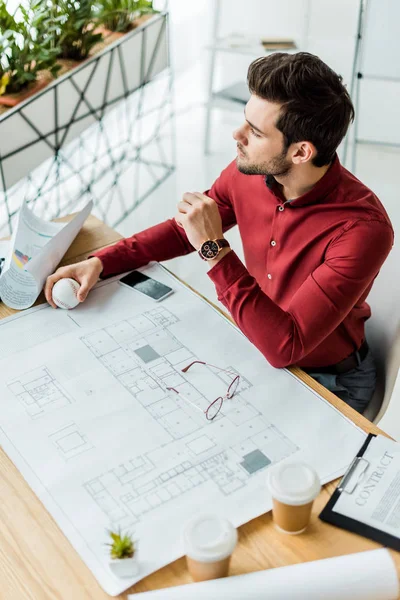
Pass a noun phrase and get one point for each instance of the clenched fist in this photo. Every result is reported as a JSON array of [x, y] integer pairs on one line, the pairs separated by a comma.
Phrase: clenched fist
[[199, 216]]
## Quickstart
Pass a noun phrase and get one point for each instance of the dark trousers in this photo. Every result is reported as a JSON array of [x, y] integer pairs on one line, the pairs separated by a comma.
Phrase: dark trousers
[[356, 387]]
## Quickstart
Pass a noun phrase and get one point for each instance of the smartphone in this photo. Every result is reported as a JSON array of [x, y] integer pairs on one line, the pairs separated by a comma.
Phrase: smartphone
[[146, 285]]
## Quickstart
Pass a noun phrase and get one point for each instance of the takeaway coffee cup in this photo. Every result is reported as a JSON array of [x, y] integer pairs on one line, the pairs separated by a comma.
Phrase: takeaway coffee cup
[[209, 541], [294, 487]]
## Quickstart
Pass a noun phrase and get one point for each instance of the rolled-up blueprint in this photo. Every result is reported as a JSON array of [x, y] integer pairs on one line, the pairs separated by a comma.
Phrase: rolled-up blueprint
[[363, 576]]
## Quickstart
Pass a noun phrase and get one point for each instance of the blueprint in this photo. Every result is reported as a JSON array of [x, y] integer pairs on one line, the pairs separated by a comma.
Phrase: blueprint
[[87, 416]]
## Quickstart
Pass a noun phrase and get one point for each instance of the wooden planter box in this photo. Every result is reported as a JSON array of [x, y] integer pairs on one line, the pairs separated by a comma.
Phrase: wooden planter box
[[41, 125]]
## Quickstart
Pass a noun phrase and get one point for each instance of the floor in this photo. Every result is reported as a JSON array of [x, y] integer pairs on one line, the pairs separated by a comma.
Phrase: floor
[[194, 172]]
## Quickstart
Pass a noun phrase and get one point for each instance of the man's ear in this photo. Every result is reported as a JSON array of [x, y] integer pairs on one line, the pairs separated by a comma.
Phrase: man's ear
[[303, 152]]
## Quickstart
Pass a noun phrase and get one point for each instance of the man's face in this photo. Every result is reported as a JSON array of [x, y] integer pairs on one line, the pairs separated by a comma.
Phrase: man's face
[[260, 145]]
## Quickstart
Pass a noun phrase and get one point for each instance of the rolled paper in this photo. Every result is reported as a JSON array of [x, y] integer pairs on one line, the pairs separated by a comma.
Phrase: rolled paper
[[367, 575]]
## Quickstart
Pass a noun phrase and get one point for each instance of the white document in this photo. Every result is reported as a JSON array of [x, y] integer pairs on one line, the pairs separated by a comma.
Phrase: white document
[[86, 416], [36, 248], [371, 494], [363, 576]]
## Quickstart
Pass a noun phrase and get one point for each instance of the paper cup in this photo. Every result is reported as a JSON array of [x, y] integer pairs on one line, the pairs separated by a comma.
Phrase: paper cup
[[209, 541], [294, 487]]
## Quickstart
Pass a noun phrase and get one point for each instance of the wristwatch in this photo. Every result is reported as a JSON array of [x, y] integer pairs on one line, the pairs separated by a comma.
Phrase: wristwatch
[[211, 248]]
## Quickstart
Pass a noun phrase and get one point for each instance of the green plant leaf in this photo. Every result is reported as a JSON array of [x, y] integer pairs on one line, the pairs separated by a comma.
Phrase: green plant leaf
[[118, 15], [122, 546]]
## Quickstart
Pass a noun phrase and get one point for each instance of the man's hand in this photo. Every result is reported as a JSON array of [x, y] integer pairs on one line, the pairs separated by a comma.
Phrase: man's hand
[[199, 216], [86, 273]]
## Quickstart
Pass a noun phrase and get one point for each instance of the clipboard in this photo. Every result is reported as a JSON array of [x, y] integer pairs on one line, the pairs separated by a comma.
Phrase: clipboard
[[346, 486]]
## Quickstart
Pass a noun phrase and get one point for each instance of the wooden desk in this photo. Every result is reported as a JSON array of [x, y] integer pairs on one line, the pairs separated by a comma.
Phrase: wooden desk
[[38, 563]]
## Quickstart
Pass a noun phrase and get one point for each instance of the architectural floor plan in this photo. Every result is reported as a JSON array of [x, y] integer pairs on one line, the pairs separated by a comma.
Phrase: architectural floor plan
[[38, 392], [95, 403]]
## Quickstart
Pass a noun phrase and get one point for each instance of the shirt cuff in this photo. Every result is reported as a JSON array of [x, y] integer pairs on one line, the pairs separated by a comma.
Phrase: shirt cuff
[[107, 263], [226, 272]]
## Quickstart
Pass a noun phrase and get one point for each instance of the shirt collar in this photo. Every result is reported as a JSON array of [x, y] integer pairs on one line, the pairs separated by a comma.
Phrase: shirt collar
[[321, 189]]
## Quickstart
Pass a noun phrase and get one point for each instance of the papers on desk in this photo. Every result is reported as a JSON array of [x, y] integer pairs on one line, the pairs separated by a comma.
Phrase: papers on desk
[[252, 43], [35, 249], [363, 576], [86, 416], [367, 500]]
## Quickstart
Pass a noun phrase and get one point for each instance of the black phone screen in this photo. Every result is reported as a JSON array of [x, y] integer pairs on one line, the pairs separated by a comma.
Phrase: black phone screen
[[152, 288]]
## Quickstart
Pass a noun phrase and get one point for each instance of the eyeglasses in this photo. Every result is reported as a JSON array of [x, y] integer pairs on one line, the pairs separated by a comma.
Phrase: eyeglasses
[[214, 408]]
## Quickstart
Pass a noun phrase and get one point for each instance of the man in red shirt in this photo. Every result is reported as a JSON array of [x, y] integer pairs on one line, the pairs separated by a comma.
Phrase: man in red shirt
[[314, 237]]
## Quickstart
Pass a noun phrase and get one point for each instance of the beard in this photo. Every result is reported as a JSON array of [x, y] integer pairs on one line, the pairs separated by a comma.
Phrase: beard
[[278, 166]]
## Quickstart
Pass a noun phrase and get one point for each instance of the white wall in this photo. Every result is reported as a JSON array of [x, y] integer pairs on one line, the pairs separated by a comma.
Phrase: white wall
[[327, 28], [190, 29]]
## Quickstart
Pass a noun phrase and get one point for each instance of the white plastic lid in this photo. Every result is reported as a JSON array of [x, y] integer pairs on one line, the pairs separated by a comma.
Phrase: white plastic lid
[[208, 538], [293, 483]]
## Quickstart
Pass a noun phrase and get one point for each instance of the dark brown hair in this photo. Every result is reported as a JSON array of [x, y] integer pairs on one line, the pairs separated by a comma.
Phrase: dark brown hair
[[316, 107]]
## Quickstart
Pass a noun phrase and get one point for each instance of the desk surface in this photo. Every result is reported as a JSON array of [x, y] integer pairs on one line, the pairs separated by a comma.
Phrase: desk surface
[[38, 563]]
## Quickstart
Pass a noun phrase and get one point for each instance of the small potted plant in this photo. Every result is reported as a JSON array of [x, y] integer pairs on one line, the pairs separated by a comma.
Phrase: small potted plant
[[123, 555]]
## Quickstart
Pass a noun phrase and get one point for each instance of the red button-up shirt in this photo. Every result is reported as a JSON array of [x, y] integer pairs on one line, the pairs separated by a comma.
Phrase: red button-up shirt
[[310, 262]]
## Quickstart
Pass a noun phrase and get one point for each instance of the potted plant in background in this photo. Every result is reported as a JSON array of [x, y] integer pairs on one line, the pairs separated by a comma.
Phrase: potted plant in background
[[50, 37], [117, 17], [28, 52], [123, 555], [31, 43], [123, 15], [75, 30]]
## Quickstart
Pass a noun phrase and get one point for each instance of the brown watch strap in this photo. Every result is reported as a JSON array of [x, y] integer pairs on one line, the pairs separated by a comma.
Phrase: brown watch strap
[[223, 243]]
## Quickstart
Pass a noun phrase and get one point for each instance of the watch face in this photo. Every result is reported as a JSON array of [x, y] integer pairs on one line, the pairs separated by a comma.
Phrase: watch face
[[209, 249]]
